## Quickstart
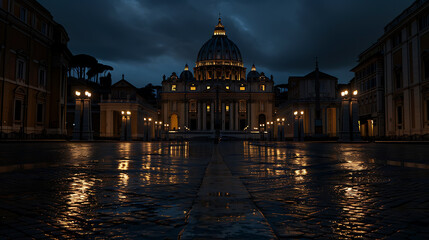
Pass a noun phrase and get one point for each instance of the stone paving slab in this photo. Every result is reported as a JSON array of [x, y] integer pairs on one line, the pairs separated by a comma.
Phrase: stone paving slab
[[224, 209]]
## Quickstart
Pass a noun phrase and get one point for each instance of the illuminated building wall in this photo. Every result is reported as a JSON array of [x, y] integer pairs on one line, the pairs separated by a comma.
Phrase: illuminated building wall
[[218, 89], [33, 69]]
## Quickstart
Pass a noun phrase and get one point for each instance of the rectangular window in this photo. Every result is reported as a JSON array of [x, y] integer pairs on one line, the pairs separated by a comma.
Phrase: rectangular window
[[42, 77], [20, 70], [423, 22], [208, 108], [242, 106], [399, 112], [23, 14], [193, 88], [18, 110], [193, 107], [39, 112], [44, 29], [262, 87], [227, 108], [242, 88], [173, 87]]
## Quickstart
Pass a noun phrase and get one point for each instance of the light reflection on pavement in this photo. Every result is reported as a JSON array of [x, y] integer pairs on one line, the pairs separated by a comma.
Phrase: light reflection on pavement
[[154, 190]]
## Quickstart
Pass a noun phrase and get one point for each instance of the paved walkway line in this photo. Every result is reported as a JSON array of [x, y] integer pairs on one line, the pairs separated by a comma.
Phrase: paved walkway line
[[223, 208]]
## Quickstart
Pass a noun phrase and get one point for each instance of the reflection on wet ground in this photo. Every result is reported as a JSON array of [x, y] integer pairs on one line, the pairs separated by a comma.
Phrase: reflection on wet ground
[[106, 190], [336, 190], [160, 190]]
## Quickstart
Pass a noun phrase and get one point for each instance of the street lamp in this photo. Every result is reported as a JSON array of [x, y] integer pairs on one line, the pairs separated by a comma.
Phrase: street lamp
[[349, 112], [83, 122], [280, 128], [299, 125], [126, 126]]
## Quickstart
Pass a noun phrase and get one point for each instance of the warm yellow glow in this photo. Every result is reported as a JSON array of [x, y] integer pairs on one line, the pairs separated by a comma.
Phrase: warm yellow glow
[[272, 123], [193, 88], [227, 87], [123, 164], [173, 87], [208, 108], [227, 108], [342, 94], [77, 93], [355, 92], [144, 119], [295, 113], [208, 87], [128, 112], [278, 119], [156, 122], [346, 92], [88, 94], [160, 123], [242, 88], [302, 112], [262, 87], [150, 119], [122, 112], [283, 119]]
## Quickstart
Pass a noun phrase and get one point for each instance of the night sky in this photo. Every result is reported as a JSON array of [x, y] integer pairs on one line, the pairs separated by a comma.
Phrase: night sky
[[145, 39]]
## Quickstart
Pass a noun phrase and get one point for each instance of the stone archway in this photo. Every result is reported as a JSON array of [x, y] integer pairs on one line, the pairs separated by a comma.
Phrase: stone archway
[[174, 122]]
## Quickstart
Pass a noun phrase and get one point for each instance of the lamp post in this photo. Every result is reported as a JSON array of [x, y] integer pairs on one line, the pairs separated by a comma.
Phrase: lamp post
[[156, 130], [126, 126], [166, 126], [349, 120], [270, 128], [145, 124], [280, 128], [149, 125], [261, 130], [82, 119], [298, 125], [158, 127]]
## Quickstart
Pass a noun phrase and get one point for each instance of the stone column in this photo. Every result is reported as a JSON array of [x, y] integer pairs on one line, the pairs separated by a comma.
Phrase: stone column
[[249, 117], [109, 123], [204, 116], [186, 115], [212, 115], [236, 116], [223, 116], [231, 114], [199, 116]]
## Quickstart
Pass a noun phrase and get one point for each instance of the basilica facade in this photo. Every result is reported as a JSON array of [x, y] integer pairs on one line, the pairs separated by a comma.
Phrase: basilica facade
[[217, 95]]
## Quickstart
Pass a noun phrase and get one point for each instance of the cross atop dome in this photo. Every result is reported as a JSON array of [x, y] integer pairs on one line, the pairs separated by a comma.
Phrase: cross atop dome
[[219, 29]]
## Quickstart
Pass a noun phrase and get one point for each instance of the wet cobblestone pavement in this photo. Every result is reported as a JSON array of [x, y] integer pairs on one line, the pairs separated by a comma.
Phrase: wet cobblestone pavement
[[108, 190]]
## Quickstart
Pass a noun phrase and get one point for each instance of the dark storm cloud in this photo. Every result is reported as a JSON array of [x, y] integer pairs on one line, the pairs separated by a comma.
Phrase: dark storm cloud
[[149, 38]]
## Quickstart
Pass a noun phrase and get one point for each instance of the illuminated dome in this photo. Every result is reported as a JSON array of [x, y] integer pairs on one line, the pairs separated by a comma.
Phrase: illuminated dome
[[253, 74], [186, 75], [219, 47]]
